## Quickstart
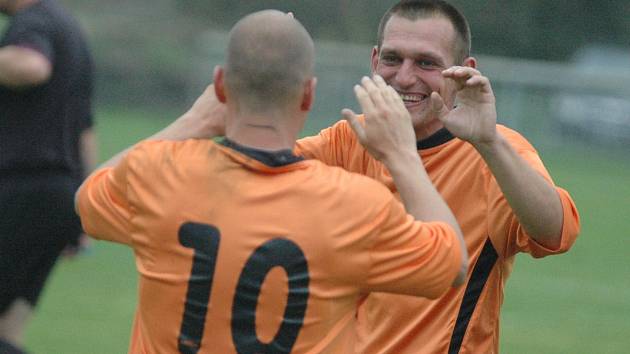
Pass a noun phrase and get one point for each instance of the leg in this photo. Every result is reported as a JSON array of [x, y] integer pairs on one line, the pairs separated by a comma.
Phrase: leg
[[36, 222]]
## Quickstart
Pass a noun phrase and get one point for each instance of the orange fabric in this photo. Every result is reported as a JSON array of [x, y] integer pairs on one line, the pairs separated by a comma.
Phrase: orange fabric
[[355, 237], [398, 324]]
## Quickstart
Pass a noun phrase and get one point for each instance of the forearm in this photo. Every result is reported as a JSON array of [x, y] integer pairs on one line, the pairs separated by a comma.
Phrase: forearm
[[191, 125], [533, 199], [422, 200], [89, 151], [417, 192], [23, 67]]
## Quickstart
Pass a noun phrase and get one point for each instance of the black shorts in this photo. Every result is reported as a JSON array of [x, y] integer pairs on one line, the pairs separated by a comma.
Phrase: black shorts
[[37, 220]]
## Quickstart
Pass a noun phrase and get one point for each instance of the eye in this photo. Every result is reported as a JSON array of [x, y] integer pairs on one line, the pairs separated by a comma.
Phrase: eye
[[389, 59], [426, 64]]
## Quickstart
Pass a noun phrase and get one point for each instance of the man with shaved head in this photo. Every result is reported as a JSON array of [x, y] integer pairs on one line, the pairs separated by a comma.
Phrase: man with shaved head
[[268, 59], [227, 261]]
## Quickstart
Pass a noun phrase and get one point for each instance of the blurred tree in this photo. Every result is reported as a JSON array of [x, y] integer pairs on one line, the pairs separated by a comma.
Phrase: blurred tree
[[537, 29], [149, 51]]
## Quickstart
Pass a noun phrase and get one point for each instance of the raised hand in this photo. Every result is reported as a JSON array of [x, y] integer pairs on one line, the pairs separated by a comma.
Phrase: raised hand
[[208, 115], [474, 117], [204, 120], [387, 130]]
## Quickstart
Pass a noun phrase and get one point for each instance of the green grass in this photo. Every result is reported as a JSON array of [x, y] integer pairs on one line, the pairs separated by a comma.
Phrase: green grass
[[574, 303], [577, 302]]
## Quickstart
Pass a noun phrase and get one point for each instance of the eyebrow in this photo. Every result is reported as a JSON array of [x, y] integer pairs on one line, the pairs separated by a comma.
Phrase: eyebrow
[[415, 55]]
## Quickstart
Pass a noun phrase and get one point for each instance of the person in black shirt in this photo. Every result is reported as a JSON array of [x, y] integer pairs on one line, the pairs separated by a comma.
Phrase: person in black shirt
[[46, 147]]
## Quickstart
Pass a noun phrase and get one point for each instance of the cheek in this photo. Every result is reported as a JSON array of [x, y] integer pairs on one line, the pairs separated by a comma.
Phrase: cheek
[[435, 80], [385, 72]]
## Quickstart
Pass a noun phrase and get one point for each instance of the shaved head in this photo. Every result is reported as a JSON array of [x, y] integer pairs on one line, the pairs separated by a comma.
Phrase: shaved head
[[270, 57]]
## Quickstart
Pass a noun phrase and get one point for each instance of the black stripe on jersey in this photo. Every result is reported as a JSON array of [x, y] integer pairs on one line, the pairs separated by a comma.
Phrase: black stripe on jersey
[[438, 138], [486, 261], [270, 158]]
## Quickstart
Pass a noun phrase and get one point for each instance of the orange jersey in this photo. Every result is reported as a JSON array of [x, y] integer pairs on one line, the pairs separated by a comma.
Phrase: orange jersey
[[466, 319], [235, 255]]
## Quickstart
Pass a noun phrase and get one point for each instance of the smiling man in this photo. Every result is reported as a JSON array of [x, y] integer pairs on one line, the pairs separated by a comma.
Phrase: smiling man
[[492, 178]]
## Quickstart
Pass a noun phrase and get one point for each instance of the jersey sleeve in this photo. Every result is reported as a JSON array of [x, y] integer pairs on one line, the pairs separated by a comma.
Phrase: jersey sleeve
[[505, 230], [411, 257], [104, 206]]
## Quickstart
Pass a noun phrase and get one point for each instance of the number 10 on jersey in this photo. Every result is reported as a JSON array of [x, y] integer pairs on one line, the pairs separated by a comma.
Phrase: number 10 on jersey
[[278, 252]]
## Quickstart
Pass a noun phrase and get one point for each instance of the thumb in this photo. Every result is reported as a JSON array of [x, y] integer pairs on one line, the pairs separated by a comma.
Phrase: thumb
[[437, 106], [354, 122]]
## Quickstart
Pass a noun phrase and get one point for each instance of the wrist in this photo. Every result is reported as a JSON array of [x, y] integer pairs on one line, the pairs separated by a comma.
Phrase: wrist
[[489, 146], [402, 160]]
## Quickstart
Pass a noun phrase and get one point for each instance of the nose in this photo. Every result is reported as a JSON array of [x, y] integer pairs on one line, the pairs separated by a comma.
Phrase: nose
[[406, 76]]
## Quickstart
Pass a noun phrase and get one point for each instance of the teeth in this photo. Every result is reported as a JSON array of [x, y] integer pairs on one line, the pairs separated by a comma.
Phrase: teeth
[[414, 98]]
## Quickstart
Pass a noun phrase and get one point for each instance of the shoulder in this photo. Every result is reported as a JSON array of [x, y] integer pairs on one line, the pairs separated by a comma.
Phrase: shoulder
[[340, 131], [332, 145], [343, 130], [516, 139], [150, 152], [354, 187]]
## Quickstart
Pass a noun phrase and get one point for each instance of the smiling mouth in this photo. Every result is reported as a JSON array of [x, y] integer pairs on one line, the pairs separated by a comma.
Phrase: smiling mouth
[[410, 99]]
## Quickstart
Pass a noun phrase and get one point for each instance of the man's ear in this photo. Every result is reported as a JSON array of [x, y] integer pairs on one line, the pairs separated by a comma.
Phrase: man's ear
[[308, 98], [471, 62], [374, 59], [219, 84]]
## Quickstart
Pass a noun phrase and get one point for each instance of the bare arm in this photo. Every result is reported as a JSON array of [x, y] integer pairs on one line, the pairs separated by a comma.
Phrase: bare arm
[[204, 120], [388, 135], [23, 67], [88, 151], [89, 158], [534, 200]]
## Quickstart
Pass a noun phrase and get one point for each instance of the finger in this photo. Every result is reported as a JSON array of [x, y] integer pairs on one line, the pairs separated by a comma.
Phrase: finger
[[466, 71], [387, 92], [449, 71], [379, 82], [437, 105], [355, 124], [374, 91], [365, 101], [460, 72], [477, 81], [458, 75], [394, 97]]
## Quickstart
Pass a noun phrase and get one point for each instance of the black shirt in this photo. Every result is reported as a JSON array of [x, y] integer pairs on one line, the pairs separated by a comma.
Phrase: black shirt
[[40, 126]]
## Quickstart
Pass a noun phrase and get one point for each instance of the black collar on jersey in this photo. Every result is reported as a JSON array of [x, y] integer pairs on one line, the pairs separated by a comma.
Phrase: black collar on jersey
[[438, 138], [270, 158]]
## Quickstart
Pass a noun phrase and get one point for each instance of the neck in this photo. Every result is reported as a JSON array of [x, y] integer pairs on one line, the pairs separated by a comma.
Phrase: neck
[[427, 129], [262, 132]]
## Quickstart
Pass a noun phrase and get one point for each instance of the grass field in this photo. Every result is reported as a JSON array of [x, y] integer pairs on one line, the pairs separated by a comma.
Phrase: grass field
[[575, 303]]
